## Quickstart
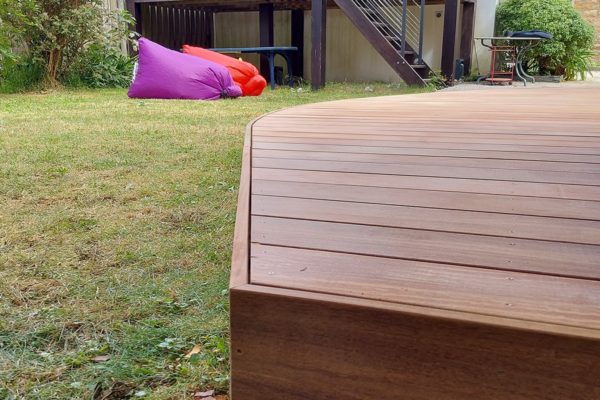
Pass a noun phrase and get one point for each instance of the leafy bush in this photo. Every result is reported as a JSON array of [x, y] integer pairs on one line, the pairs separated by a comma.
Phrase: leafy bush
[[100, 67], [59, 35], [19, 73], [568, 52]]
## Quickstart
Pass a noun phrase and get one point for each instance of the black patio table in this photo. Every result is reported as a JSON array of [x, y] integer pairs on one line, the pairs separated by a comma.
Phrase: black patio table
[[270, 52], [521, 44]]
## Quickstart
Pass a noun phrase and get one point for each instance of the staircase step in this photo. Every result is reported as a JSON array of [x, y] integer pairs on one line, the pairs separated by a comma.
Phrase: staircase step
[[386, 38], [397, 43]]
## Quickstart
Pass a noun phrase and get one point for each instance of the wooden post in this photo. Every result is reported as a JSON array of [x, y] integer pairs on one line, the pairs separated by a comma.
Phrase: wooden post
[[265, 15], [318, 38], [466, 34], [131, 6], [210, 29], [135, 9], [297, 31], [449, 39]]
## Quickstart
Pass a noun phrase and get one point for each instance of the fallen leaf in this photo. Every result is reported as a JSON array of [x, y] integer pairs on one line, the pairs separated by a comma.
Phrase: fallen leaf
[[193, 351], [101, 358]]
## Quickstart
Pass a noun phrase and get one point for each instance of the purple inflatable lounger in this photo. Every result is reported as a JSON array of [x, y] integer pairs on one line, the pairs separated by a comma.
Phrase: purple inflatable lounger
[[168, 74]]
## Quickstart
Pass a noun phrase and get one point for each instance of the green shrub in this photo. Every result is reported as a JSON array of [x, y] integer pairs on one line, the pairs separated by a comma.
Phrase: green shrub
[[59, 35], [569, 52], [19, 73], [101, 67]]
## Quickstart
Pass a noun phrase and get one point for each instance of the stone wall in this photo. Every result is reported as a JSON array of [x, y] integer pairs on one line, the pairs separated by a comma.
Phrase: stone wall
[[590, 10]]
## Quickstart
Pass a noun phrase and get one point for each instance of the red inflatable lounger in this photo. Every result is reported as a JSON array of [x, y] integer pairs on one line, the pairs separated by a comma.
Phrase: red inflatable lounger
[[244, 74]]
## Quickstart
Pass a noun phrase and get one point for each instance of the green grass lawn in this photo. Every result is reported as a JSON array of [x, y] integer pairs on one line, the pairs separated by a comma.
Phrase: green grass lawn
[[116, 222]]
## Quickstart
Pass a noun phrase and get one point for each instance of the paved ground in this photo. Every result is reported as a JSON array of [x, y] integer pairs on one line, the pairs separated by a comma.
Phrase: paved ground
[[593, 81]]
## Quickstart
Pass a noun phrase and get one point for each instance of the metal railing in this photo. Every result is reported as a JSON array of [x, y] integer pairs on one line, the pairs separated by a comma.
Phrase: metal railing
[[401, 21]]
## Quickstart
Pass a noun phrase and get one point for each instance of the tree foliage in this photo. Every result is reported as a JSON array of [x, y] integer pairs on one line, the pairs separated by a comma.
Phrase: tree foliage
[[570, 50], [57, 34]]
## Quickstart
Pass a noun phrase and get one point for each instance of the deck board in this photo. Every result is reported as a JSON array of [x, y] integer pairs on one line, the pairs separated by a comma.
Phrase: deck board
[[436, 171], [441, 143], [529, 189], [480, 154], [510, 254], [475, 214], [441, 285], [431, 219], [428, 160], [518, 205]]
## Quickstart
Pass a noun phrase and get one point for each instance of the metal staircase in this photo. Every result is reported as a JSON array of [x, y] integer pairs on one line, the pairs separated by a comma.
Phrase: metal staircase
[[395, 28]]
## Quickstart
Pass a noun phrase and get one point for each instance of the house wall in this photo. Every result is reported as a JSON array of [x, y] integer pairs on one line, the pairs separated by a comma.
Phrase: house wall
[[590, 10], [116, 5], [350, 57], [485, 20]]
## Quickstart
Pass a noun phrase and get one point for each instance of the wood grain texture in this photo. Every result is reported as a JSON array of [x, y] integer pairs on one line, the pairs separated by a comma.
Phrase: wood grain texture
[[480, 154], [430, 219], [443, 286], [509, 254], [441, 143], [241, 251], [505, 204], [409, 160], [434, 171], [290, 347], [511, 188], [438, 246]]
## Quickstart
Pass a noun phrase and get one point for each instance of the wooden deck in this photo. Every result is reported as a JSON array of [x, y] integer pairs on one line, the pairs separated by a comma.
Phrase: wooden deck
[[438, 246]]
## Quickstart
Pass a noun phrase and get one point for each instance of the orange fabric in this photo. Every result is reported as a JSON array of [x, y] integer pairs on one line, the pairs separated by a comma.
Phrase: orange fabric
[[254, 86], [244, 74]]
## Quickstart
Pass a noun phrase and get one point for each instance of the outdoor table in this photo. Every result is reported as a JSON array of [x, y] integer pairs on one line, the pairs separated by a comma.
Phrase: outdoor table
[[521, 44], [270, 52]]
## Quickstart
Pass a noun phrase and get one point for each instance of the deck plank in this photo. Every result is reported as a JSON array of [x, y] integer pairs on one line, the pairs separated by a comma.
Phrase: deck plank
[[570, 178], [429, 160], [510, 254], [441, 143], [532, 189], [429, 137], [480, 223], [499, 155], [503, 204], [440, 285]]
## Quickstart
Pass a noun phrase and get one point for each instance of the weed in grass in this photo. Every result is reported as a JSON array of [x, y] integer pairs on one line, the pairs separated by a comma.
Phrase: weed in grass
[[116, 220]]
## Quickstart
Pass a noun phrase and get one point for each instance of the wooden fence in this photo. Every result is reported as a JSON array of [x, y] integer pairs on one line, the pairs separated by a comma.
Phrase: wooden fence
[[175, 25], [171, 25]]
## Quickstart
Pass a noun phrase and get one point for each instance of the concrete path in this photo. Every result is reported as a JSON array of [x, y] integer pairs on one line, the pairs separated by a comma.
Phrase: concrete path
[[592, 81]]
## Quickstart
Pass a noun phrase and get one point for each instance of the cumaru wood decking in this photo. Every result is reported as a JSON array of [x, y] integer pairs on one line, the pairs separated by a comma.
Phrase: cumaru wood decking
[[437, 246]]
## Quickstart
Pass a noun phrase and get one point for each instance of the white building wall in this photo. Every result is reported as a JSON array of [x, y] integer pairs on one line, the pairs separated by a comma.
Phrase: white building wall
[[485, 18], [350, 57]]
